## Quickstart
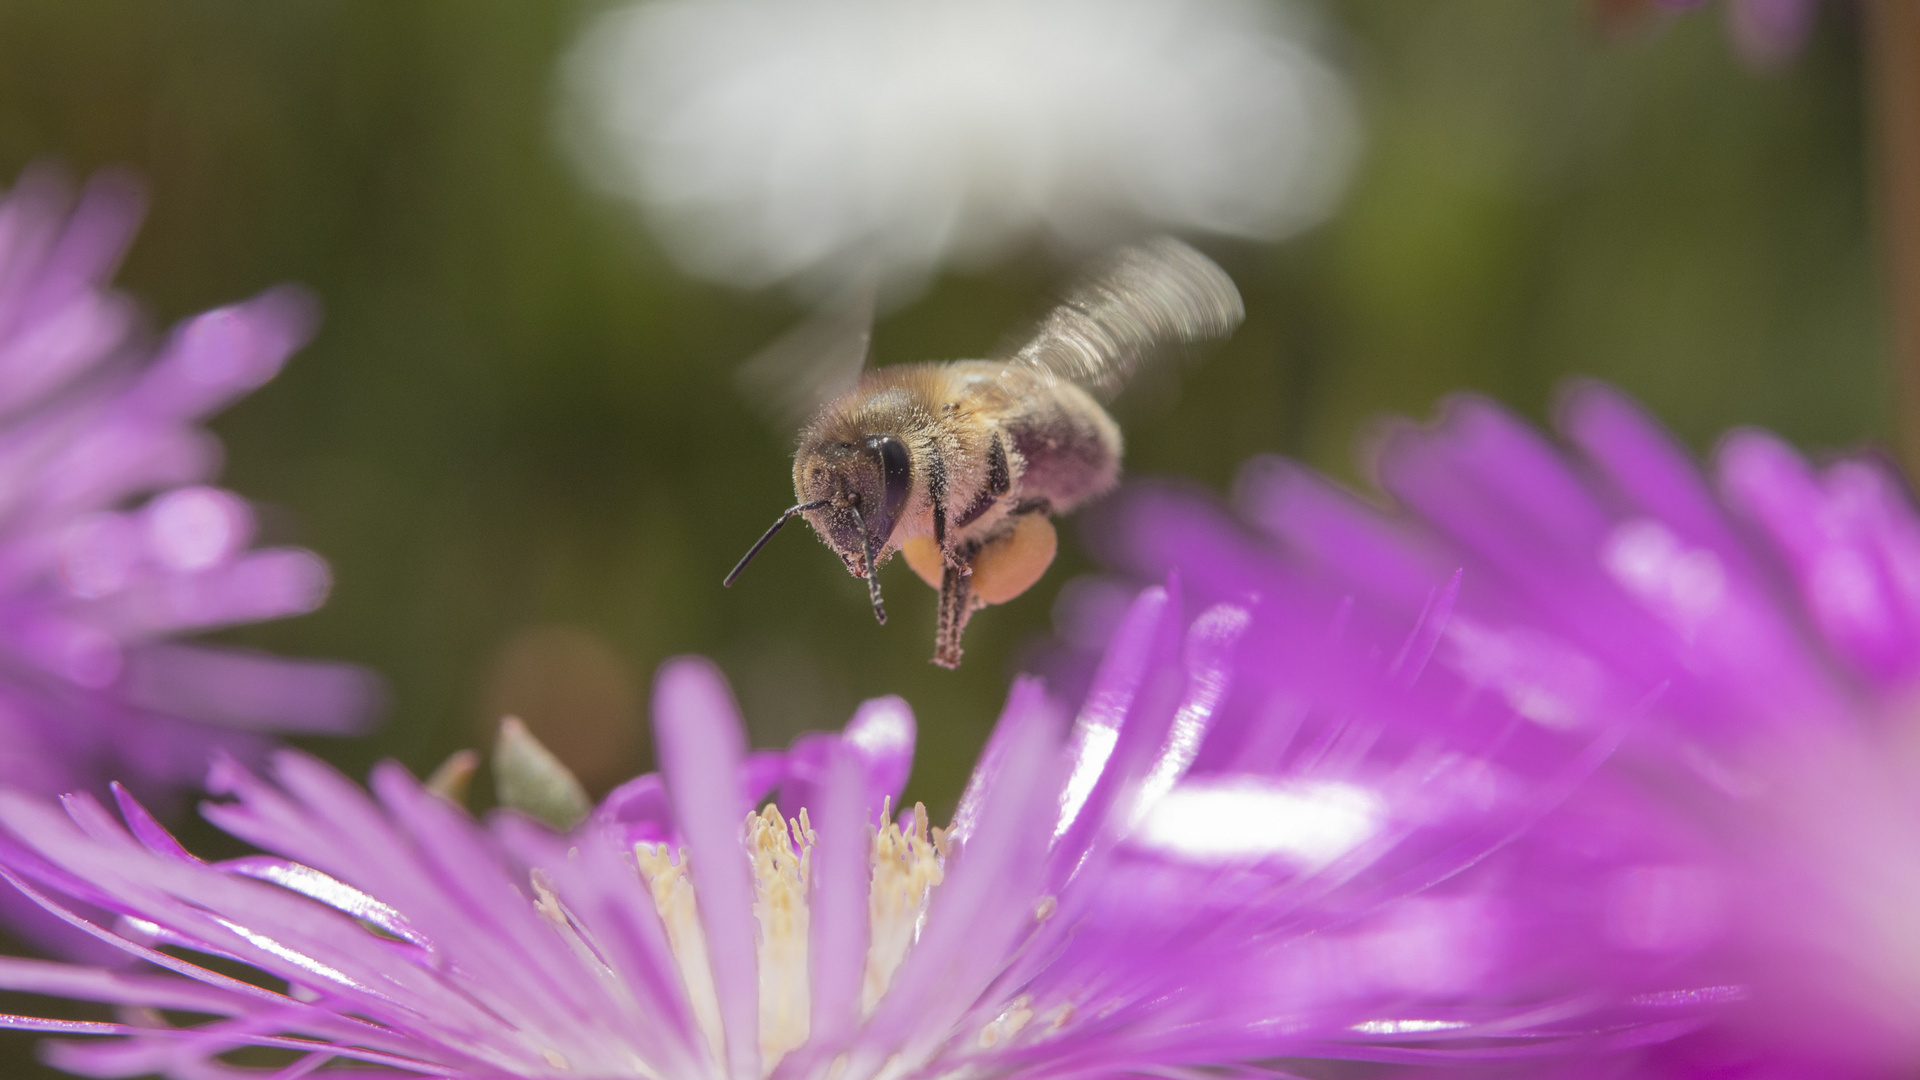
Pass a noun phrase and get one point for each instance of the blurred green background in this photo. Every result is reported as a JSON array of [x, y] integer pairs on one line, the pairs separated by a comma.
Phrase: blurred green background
[[516, 441]]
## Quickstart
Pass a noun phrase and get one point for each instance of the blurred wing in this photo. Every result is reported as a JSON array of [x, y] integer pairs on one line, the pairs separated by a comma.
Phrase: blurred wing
[[814, 362], [1140, 304]]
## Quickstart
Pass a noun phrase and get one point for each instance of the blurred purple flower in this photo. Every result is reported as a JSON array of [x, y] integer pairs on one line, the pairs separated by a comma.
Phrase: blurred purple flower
[[1766, 33], [1100, 906], [1708, 698], [111, 545]]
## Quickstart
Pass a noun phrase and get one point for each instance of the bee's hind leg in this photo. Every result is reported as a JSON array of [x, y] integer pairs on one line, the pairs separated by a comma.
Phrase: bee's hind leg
[[957, 605], [993, 570]]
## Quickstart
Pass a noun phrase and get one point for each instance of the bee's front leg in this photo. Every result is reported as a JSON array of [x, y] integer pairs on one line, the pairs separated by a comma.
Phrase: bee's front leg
[[942, 536], [944, 539]]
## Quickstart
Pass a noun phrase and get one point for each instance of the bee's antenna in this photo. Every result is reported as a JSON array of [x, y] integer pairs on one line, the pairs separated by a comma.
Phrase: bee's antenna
[[873, 572], [818, 504]]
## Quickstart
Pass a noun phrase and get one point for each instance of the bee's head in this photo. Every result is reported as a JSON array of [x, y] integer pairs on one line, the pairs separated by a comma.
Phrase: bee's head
[[852, 493], [864, 485]]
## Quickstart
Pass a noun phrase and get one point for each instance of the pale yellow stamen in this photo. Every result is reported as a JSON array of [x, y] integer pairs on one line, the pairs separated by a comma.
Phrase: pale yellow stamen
[[547, 902], [1008, 1023], [905, 866], [673, 898], [781, 857]]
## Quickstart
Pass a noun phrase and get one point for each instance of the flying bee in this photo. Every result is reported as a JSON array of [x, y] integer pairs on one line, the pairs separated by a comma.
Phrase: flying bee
[[959, 465]]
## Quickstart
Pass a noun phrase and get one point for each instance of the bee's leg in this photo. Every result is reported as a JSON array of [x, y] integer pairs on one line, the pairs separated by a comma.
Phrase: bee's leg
[[937, 493], [949, 553], [999, 482], [957, 604]]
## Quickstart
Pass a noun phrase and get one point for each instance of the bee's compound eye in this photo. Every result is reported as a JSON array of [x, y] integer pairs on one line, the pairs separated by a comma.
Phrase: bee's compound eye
[[896, 481]]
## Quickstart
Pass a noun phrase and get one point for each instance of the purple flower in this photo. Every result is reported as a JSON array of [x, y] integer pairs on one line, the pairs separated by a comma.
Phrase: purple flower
[[1704, 691], [1101, 905], [111, 545]]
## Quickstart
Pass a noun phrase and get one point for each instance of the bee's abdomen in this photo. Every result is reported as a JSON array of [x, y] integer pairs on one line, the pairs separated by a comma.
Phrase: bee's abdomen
[[1071, 447]]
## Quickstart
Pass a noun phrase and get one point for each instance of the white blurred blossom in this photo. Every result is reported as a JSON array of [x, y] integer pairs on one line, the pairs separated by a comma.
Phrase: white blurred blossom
[[812, 140]]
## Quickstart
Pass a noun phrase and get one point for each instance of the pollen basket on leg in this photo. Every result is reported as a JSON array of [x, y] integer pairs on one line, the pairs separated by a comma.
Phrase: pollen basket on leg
[[905, 864]]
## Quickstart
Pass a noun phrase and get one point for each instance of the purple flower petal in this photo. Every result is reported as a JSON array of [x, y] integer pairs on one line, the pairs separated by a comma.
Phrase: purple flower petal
[[698, 730], [1204, 910], [112, 544], [837, 948]]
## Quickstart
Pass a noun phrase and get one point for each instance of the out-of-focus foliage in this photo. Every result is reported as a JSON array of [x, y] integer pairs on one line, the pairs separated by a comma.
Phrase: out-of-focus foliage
[[516, 438]]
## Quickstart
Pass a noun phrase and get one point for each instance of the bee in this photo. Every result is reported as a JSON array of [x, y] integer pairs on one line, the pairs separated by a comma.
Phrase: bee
[[960, 465]]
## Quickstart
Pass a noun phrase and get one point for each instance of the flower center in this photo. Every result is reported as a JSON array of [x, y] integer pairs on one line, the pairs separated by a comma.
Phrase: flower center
[[904, 864]]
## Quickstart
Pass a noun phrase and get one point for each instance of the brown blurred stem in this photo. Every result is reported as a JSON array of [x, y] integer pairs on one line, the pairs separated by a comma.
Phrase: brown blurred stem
[[1893, 30]]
